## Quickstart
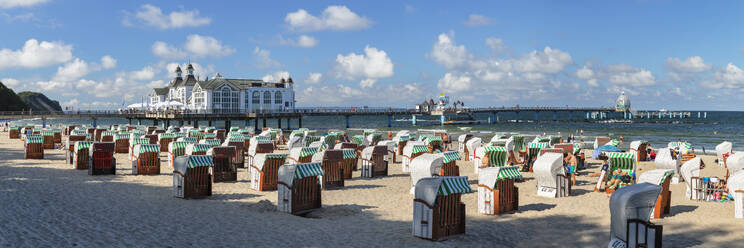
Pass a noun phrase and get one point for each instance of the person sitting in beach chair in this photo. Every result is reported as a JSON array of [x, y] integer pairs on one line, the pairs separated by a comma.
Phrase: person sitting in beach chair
[[618, 176]]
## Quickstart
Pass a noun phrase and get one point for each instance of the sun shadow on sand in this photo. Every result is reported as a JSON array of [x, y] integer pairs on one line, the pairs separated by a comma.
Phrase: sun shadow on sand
[[536, 207], [361, 186], [678, 209]]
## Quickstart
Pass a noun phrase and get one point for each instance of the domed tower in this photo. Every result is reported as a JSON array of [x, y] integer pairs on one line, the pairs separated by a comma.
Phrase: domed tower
[[178, 72], [623, 103], [190, 69]]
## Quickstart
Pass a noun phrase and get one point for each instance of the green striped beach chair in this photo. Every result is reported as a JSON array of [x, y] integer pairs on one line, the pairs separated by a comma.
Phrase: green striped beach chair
[[176, 149], [496, 191], [107, 136], [47, 139], [449, 166], [619, 160], [299, 188], [497, 156], [34, 146], [121, 143], [438, 211], [133, 141], [192, 176]]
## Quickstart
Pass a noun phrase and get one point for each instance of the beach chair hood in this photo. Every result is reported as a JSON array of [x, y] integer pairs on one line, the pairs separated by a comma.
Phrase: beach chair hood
[[664, 160], [425, 166], [490, 175], [427, 189], [655, 177], [723, 148], [260, 159], [408, 150], [690, 169], [294, 141], [473, 144], [632, 202], [463, 138], [735, 163], [637, 143], [547, 167], [289, 172], [600, 141], [182, 164]]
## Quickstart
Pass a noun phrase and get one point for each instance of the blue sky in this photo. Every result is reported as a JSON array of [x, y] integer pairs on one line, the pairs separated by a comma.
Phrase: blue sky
[[664, 54]]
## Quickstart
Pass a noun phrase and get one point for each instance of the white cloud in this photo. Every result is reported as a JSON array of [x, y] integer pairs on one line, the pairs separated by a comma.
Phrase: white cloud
[[477, 20], [446, 53], [690, 65], [35, 54], [10, 82], [152, 16], [586, 73], [206, 46], [263, 57], [635, 77], [275, 76], [548, 61], [497, 46], [313, 78], [156, 84], [73, 70], [451, 83], [301, 41], [71, 103], [108, 62], [146, 73], [372, 65], [729, 77], [333, 18], [163, 50], [6, 4]]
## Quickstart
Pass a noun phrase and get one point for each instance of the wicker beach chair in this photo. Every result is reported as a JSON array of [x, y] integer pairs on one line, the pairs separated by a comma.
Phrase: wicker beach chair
[[626, 162], [265, 171], [472, 145], [735, 184], [332, 161], [80, 155], [629, 205], [192, 176], [164, 139], [70, 147], [34, 147], [533, 152], [106, 136], [552, 179], [237, 142], [47, 139], [14, 132], [461, 144], [101, 159], [211, 141], [496, 191], [689, 172], [662, 178], [373, 161], [121, 143], [146, 160], [639, 147], [299, 188], [133, 140], [449, 164], [258, 145], [438, 211], [390, 156], [497, 156], [153, 138], [349, 163], [423, 166], [224, 168], [57, 136], [176, 149]]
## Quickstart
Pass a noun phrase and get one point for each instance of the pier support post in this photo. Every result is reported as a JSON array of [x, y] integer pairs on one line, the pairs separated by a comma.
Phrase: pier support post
[[154, 122], [195, 123], [441, 120], [517, 118], [95, 124], [494, 117], [555, 115], [130, 121], [698, 115], [255, 125], [167, 124], [264, 122], [537, 116], [289, 122], [299, 122], [413, 120], [570, 115], [139, 122], [705, 115], [346, 117], [279, 123], [587, 116], [390, 121], [209, 123], [43, 122], [180, 123]]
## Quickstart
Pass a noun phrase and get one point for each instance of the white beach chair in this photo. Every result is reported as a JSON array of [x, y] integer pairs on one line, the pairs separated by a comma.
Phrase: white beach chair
[[633, 202], [409, 152], [664, 160], [496, 191], [689, 170], [473, 145], [552, 180]]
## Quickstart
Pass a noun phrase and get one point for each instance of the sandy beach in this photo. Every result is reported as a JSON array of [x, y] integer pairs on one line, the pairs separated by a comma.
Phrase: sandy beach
[[48, 203]]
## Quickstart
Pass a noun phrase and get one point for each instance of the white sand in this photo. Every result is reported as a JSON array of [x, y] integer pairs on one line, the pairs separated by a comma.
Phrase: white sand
[[47, 203]]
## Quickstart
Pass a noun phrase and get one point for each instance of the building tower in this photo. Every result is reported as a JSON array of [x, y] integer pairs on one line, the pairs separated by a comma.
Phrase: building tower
[[623, 103]]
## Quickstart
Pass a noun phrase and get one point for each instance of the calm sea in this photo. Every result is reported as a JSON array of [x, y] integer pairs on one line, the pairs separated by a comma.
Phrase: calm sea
[[702, 133]]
